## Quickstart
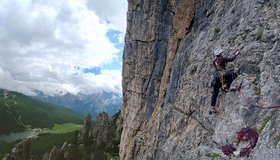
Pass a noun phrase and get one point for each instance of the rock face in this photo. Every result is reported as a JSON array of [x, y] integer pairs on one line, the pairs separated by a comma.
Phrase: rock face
[[102, 130], [101, 134], [167, 71], [55, 154], [98, 142], [85, 132], [63, 153], [21, 151]]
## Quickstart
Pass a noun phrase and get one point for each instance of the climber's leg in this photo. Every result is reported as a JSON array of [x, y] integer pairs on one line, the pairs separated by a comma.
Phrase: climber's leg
[[229, 78], [215, 93]]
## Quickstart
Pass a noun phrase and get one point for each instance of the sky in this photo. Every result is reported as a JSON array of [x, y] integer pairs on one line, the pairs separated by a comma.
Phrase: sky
[[60, 46]]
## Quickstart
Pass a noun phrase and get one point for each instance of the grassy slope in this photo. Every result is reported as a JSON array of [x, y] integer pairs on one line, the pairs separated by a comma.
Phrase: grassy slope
[[55, 136], [63, 128], [18, 112]]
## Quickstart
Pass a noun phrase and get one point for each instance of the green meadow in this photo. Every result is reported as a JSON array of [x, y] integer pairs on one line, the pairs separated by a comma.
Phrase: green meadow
[[63, 128]]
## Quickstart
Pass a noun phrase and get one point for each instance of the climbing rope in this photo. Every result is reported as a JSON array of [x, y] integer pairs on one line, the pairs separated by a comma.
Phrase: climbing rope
[[228, 150], [249, 135], [246, 135], [251, 103]]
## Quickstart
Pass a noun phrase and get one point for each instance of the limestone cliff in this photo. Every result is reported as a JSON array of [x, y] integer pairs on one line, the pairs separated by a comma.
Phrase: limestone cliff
[[166, 75]]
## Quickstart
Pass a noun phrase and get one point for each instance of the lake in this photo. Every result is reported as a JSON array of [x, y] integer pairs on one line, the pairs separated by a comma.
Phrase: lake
[[15, 136]]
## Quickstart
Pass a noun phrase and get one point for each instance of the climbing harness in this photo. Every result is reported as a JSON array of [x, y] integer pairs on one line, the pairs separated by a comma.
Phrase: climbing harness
[[251, 103], [219, 73]]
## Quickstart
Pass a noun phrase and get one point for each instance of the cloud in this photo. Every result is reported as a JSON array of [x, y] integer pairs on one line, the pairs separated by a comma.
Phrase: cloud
[[111, 11], [46, 45]]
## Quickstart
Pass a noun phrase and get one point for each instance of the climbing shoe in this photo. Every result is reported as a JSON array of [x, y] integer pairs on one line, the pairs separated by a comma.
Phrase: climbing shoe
[[213, 110]]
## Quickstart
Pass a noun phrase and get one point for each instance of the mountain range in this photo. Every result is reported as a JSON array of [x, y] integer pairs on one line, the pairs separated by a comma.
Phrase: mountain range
[[93, 103]]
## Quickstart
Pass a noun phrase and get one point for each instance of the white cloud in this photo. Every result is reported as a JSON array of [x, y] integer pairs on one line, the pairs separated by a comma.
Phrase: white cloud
[[113, 11], [121, 37], [44, 45]]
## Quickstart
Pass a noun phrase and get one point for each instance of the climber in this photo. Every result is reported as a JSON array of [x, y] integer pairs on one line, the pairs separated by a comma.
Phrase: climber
[[222, 78]]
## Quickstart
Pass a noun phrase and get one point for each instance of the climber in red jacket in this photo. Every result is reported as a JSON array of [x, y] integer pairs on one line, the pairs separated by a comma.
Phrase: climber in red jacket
[[222, 78]]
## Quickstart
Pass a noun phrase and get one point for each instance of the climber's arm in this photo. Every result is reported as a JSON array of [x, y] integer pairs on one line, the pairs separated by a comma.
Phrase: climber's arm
[[230, 59]]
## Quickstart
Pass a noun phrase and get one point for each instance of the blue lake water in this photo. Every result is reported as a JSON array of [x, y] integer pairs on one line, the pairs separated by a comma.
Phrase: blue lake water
[[15, 136]]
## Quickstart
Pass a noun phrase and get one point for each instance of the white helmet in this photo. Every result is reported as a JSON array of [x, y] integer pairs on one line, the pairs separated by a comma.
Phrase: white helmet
[[218, 51]]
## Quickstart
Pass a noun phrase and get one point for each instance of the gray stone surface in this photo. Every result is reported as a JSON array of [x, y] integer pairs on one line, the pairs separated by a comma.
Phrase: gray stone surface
[[85, 132], [172, 122], [21, 151], [101, 132]]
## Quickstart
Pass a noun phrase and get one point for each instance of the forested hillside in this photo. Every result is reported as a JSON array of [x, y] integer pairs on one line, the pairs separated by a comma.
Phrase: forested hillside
[[19, 112]]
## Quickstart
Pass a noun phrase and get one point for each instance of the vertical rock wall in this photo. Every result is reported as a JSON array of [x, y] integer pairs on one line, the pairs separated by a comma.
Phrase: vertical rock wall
[[166, 76], [155, 29]]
